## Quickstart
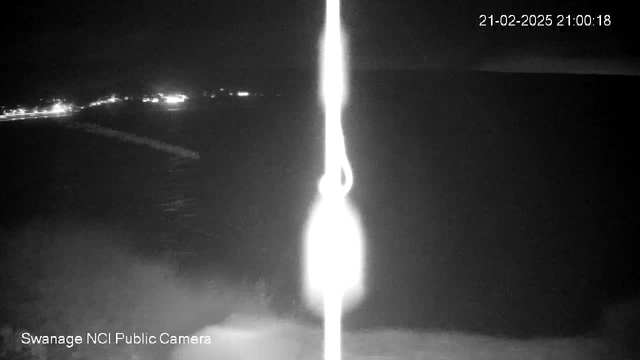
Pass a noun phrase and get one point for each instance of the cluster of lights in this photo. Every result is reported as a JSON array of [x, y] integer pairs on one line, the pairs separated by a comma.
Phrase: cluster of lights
[[18, 111], [168, 99], [60, 107], [156, 98], [56, 109], [110, 100], [222, 92]]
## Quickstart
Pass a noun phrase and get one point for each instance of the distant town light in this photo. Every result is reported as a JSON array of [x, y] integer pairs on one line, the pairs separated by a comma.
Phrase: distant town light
[[174, 99], [58, 108], [243, 93]]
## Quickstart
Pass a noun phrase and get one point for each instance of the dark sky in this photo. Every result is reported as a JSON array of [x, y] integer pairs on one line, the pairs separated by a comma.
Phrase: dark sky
[[50, 43]]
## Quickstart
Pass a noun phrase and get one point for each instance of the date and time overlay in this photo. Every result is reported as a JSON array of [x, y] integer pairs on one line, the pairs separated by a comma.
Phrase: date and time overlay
[[557, 21]]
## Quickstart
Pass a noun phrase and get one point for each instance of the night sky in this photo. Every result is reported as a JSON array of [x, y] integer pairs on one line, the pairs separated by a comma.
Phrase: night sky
[[55, 46]]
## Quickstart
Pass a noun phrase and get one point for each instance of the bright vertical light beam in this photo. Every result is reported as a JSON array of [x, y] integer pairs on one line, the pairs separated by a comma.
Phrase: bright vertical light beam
[[332, 57], [333, 95], [333, 248]]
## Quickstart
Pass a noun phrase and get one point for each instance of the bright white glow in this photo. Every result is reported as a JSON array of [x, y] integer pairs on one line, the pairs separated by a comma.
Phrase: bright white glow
[[333, 58], [336, 162], [334, 242], [243, 93], [334, 254], [334, 258], [173, 99], [58, 108], [151, 100]]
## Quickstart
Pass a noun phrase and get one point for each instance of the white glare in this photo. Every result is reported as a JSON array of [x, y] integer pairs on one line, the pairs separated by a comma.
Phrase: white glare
[[332, 58], [334, 246], [173, 99], [334, 253], [58, 108], [243, 93]]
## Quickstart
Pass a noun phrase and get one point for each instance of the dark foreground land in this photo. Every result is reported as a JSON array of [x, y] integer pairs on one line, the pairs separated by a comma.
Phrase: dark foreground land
[[493, 204]]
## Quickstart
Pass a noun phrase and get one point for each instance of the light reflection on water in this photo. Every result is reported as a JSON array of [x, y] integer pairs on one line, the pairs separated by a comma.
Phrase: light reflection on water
[[180, 207]]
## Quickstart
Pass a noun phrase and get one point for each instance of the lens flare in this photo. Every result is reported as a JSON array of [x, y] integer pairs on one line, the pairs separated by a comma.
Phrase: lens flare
[[333, 241], [333, 254]]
